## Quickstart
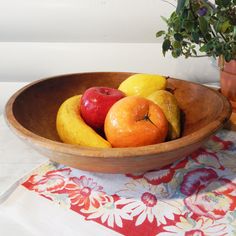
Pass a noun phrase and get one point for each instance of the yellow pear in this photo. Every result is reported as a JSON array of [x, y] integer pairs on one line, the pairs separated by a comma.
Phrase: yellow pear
[[72, 129], [142, 84], [168, 103]]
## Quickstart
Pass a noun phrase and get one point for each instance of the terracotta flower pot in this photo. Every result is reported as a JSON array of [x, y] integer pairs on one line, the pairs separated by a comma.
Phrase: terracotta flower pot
[[228, 81]]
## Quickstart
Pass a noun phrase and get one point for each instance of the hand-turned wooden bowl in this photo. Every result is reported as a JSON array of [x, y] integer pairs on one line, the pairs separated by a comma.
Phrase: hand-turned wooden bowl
[[31, 114]]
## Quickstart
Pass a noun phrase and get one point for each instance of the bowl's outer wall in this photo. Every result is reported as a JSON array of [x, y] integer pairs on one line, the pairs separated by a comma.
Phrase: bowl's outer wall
[[118, 165]]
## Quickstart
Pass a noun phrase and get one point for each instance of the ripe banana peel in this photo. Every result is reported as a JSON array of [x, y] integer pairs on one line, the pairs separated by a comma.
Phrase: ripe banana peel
[[72, 129]]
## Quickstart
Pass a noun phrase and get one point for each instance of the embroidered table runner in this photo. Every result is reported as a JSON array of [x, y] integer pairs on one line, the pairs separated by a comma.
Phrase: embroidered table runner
[[193, 196]]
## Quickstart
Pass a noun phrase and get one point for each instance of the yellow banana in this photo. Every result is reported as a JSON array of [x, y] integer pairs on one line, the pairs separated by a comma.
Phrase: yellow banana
[[72, 129]]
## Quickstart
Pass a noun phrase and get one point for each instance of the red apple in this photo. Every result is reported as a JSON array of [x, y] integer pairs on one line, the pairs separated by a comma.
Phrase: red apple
[[96, 102]]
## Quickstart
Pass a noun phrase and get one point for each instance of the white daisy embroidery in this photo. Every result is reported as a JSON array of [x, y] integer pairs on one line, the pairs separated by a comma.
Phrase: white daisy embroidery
[[149, 202], [190, 227], [108, 212]]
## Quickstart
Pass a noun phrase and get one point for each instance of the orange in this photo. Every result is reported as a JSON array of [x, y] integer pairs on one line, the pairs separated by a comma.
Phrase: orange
[[135, 121]]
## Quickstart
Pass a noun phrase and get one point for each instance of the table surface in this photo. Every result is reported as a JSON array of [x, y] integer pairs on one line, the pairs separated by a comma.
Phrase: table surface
[[7, 89]]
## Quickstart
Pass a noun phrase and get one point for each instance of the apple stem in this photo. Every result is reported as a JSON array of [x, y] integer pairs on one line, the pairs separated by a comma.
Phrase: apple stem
[[146, 117]]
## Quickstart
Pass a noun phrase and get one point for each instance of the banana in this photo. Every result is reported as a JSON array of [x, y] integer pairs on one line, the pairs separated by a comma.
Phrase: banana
[[72, 129]]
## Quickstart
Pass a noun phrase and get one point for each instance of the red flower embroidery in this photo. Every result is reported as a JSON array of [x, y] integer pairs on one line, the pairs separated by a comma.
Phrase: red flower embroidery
[[195, 179], [160, 176], [52, 181], [223, 143], [202, 156], [163, 175], [207, 194], [84, 192]]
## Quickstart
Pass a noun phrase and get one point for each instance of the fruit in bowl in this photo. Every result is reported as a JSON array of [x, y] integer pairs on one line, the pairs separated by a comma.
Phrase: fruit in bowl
[[169, 105], [128, 119], [72, 129], [135, 121], [96, 102], [142, 84]]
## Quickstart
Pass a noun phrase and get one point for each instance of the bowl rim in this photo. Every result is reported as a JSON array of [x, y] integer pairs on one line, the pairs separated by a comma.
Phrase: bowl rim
[[92, 152]]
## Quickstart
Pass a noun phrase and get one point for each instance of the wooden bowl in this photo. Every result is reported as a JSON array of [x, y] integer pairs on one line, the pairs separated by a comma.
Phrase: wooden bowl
[[31, 114]]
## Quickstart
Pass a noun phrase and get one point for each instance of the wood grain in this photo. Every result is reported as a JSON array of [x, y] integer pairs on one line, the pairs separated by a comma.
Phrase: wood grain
[[31, 114]]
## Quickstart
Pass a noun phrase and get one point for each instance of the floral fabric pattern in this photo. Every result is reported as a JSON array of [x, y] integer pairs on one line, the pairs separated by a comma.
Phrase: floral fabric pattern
[[193, 196]]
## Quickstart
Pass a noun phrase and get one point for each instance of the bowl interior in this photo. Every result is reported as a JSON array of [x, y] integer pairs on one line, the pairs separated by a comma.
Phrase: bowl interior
[[35, 107]]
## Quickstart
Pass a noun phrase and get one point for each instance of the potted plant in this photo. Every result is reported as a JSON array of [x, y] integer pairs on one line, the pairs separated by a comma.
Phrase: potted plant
[[199, 28]]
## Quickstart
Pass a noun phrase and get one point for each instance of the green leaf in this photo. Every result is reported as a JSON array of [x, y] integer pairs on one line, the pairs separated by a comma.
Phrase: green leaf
[[177, 24], [203, 48], [208, 37], [225, 2], [228, 56], [188, 25], [178, 37], [218, 49], [191, 16], [234, 33], [203, 24], [194, 52], [209, 46], [184, 14], [176, 53], [180, 5], [176, 44], [160, 33], [195, 37], [164, 19], [166, 45], [225, 26], [217, 26]]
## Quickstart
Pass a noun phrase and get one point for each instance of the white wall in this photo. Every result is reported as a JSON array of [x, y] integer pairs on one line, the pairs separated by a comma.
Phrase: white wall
[[82, 20], [41, 38], [31, 61]]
